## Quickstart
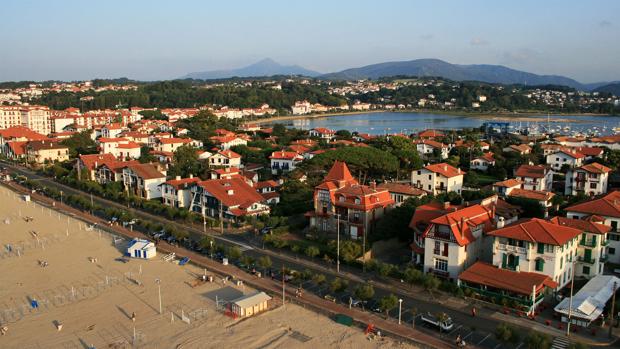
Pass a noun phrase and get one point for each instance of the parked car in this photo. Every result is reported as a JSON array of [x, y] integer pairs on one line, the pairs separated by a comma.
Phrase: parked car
[[441, 321]]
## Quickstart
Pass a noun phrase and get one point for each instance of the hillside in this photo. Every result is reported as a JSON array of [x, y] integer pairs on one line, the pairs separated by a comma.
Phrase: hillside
[[266, 67]]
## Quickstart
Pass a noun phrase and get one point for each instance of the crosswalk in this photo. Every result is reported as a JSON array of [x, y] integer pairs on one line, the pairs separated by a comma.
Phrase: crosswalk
[[560, 343]]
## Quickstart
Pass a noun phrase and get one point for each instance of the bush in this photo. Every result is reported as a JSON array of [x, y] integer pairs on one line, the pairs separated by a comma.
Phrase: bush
[[537, 340], [506, 333]]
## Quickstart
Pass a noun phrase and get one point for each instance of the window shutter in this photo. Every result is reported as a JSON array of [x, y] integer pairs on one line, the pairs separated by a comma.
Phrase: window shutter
[[504, 257], [594, 240], [516, 262], [541, 248]]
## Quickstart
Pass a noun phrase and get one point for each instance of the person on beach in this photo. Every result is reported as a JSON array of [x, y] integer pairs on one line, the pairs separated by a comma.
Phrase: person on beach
[[133, 316]]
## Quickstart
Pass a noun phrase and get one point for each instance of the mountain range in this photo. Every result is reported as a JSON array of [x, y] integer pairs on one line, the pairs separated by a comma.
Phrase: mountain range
[[419, 67], [265, 67]]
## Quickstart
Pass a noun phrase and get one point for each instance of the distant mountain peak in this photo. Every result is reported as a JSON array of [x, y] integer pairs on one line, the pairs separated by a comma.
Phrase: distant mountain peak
[[264, 67], [458, 72]]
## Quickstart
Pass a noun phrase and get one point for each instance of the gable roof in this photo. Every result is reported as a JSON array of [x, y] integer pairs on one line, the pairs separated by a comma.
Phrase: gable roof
[[401, 188], [608, 205], [531, 171], [181, 183], [21, 132], [232, 192], [515, 281], [509, 183], [537, 230], [369, 197], [424, 214], [146, 171], [445, 170], [595, 167], [462, 221], [582, 224], [339, 172], [286, 155], [538, 195]]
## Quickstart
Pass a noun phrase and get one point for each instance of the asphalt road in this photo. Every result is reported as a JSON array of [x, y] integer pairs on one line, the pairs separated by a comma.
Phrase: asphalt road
[[478, 330]]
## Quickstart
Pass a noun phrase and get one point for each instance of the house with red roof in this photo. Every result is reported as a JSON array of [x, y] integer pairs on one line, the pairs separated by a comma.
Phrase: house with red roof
[[535, 177], [590, 179], [227, 198], [176, 192], [90, 162], [421, 220], [565, 157], [522, 149], [592, 249], [438, 178], [143, 180], [19, 134], [269, 191], [111, 171], [430, 134], [44, 151], [543, 197], [224, 158], [454, 241], [482, 162], [322, 133], [503, 188], [427, 147], [229, 140], [171, 144], [113, 130], [342, 204], [284, 161], [401, 192], [121, 148], [605, 210], [536, 245]]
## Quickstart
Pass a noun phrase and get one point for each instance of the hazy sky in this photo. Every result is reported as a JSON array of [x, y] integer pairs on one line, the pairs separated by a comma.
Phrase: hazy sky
[[147, 40]]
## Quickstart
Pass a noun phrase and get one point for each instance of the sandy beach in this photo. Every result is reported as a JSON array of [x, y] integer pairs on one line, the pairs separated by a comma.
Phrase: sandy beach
[[74, 275]]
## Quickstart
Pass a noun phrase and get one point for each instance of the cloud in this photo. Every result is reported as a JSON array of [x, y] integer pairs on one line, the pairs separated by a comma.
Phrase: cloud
[[478, 42], [520, 56], [427, 36], [604, 24]]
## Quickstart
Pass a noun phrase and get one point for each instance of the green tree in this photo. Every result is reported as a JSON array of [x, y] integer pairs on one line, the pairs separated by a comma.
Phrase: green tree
[[80, 143], [471, 179], [318, 279], [295, 198], [312, 251], [338, 285], [364, 292], [234, 253], [431, 283], [264, 262], [537, 340], [388, 303], [185, 162], [413, 275], [350, 250], [506, 333]]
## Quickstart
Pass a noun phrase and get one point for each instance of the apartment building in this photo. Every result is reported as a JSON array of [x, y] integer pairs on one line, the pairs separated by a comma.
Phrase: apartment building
[[590, 179], [438, 178]]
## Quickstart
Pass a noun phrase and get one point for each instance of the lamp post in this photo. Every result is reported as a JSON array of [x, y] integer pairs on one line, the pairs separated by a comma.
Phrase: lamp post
[[158, 281], [400, 309], [611, 311], [570, 302], [338, 243], [211, 248], [61, 198]]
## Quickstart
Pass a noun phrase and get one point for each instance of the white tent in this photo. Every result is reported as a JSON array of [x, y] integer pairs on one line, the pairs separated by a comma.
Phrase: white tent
[[589, 302]]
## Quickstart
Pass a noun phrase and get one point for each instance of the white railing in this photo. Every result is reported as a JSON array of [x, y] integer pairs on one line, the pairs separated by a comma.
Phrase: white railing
[[511, 248]]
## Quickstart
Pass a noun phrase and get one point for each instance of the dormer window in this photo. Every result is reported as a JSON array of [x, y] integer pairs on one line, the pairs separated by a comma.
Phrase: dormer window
[[358, 201], [341, 198]]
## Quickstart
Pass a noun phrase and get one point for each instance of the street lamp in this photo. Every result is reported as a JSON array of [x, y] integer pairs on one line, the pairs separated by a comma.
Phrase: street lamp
[[338, 243], [400, 309], [158, 281], [211, 248], [61, 198]]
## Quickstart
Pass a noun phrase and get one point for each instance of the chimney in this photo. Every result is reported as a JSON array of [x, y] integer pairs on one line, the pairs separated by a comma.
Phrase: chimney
[[191, 175], [177, 178], [230, 192], [446, 205], [373, 185], [445, 167], [500, 222]]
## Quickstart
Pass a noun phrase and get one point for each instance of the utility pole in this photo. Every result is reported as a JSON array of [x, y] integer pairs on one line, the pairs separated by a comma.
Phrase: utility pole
[[570, 302], [364, 247], [158, 281], [283, 287], [611, 311], [400, 309], [338, 243], [221, 216]]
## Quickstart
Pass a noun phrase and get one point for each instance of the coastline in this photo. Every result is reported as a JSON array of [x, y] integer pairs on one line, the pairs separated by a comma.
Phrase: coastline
[[499, 116]]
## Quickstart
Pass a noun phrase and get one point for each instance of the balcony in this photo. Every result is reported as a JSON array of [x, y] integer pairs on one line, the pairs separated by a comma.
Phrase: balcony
[[440, 253], [512, 248], [439, 272], [604, 242], [582, 259], [587, 243], [604, 258]]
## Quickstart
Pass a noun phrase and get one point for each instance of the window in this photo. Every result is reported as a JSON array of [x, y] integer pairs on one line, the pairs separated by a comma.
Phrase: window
[[592, 185], [441, 264], [540, 264], [614, 226], [611, 250], [561, 262], [358, 201], [429, 177], [586, 270], [419, 173], [549, 248], [437, 247], [613, 237], [541, 248]]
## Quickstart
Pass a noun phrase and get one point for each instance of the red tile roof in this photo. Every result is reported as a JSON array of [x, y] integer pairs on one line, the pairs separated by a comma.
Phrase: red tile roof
[[445, 170], [581, 224], [531, 171], [509, 183], [539, 195], [146, 171], [572, 153], [90, 160], [20, 132], [232, 192], [401, 188], [175, 140], [608, 206], [590, 151], [340, 172], [432, 143], [538, 230], [324, 130], [286, 155], [424, 214], [430, 134], [461, 222], [595, 167], [229, 154], [17, 147], [128, 145], [300, 149], [518, 282], [182, 183], [369, 197]]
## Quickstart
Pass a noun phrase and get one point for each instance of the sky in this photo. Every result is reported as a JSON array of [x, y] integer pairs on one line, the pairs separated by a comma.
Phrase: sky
[[156, 39]]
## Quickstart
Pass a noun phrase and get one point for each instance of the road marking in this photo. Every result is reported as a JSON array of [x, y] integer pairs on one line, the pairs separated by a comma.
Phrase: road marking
[[497, 346], [519, 346], [483, 339], [469, 334], [244, 247], [456, 329]]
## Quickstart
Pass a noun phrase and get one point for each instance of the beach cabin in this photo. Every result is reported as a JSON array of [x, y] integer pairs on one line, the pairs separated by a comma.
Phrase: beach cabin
[[251, 304], [139, 248]]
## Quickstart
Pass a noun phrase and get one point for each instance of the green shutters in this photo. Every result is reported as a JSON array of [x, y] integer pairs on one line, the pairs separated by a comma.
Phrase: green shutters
[[587, 254], [593, 240], [516, 265], [504, 258], [540, 264], [541, 248]]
